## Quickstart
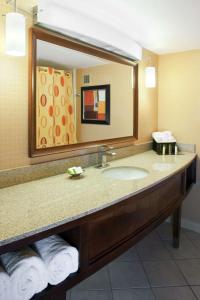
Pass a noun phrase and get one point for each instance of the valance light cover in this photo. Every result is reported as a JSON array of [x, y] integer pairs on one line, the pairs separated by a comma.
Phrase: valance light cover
[[64, 18]]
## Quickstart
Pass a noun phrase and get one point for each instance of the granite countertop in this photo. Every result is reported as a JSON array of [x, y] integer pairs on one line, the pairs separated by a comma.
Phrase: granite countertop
[[36, 206]]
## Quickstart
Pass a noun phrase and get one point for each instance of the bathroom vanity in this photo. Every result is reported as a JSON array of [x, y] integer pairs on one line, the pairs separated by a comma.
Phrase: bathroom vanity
[[99, 215]]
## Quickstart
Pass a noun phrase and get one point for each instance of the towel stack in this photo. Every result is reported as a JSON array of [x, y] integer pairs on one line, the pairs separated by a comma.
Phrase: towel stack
[[163, 137], [28, 271]]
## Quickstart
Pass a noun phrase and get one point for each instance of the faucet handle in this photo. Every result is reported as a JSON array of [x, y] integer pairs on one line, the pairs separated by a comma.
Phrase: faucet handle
[[105, 148], [111, 153]]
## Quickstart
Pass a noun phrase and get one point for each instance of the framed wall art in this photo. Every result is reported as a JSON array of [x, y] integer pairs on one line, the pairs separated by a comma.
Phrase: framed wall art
[[95, 104]]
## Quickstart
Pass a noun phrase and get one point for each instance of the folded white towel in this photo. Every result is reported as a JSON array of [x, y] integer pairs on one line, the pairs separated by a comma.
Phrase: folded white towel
[[163, 137], [4, 285], [27, 272], [60, 258]]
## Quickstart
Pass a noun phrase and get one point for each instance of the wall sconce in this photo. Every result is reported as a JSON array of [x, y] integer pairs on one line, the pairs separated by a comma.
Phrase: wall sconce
[[15, 33], [150, 77]]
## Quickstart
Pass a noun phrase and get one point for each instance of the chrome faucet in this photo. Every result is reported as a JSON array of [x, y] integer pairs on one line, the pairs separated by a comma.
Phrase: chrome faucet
[[102, 155]]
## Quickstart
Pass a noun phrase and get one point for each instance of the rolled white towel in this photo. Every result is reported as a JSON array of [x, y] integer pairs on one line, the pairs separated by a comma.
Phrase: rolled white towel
[[4, 285], [27, 271], [60, 258]]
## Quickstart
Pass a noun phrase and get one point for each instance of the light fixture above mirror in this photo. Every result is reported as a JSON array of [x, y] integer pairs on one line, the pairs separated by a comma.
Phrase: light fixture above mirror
[[65, 18]]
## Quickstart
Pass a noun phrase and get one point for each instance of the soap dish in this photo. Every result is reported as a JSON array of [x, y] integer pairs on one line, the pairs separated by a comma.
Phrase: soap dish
[[76, 175], [75, 172]]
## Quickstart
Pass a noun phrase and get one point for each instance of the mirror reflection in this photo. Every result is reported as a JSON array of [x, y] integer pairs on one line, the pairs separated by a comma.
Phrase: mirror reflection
[[81, 98]]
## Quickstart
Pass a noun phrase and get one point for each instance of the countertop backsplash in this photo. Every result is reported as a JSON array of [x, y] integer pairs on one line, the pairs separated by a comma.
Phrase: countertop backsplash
[[33, 172]]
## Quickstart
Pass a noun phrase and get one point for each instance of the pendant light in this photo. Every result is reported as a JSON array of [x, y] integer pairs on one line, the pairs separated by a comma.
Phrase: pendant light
[[150, 77], [15, 33]]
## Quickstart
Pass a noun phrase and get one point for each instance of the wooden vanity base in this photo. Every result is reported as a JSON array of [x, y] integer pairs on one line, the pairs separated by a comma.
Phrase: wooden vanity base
[[104, 235], [176, 220]]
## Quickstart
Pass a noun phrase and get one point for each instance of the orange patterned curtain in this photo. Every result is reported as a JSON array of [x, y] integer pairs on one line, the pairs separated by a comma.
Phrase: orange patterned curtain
[[55, 121]]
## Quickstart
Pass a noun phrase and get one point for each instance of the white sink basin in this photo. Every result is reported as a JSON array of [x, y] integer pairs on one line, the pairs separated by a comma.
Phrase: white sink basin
[[125, 173]]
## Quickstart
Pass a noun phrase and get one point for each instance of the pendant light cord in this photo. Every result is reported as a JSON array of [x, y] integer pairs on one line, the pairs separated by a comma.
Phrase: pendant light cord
[[15, 5]]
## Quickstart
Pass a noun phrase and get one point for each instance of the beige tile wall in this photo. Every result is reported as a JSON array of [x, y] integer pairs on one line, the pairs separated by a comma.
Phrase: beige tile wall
[[178, 110]]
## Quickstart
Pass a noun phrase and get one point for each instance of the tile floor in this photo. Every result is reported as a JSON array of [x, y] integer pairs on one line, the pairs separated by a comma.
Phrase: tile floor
[[150, 270]]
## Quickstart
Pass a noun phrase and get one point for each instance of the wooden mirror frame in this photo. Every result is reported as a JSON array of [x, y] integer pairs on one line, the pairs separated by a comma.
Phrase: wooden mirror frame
[[37, 33]]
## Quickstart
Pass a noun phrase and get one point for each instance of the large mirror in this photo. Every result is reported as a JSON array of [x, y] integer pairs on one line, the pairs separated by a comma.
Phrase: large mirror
[[80, 96]]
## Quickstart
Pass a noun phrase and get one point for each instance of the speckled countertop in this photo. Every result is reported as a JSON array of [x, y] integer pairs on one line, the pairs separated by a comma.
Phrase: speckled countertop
[[35, 206]]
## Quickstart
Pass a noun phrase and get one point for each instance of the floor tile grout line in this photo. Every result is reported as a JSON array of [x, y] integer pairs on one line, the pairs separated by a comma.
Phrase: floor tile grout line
[[184, 258], [110, 283], [163, 243], [164, 246], [194, 285], [158, 259], [192, 257], [166, 286], [150, 287], [138, 255], [182, 272], [131, 288], [179, 286], [171, 286], [140, 288], [192, 241], [172, 259], [193, 292]]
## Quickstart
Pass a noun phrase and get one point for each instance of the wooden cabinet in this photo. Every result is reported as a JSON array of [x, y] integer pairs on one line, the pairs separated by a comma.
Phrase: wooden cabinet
[[112, 228]]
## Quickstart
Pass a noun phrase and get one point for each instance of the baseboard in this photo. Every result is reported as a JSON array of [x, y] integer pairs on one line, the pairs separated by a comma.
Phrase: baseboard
[[185, 223]]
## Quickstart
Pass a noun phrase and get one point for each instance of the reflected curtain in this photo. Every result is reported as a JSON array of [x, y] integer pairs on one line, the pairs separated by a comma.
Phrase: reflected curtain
[[55, 115]]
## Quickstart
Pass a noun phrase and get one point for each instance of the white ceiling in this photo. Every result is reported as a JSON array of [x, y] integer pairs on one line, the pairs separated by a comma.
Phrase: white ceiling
[[162, 26], [57, 56]]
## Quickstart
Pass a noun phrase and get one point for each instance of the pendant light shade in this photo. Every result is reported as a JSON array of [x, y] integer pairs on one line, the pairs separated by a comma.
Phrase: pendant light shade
[[150, 77], [15, 34]]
